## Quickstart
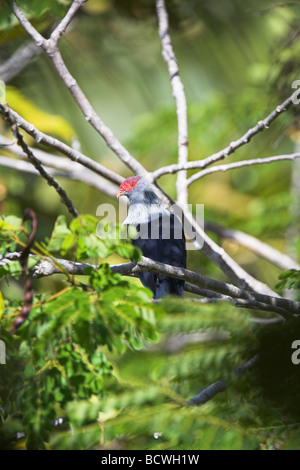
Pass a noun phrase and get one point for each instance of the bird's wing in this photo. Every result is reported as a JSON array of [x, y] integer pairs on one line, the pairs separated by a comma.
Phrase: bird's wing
[[162, 240]]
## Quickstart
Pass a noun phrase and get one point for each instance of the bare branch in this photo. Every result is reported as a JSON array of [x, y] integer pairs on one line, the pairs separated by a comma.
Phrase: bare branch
[[239, 303], [19, 60], [89, 113], [62, 167], [61, 28], [204, 163], [28, 51], [219, 257], [220, 386], [260, 126], [210, 287], [210, 249], [71, 153], [260, 248], [237, 165], [55, 165], [36, 163], [36, 36], [26, 167], [148, 265], [179, 96]]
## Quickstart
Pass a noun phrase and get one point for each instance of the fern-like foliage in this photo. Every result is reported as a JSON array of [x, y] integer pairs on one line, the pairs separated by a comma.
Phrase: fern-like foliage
[[120, 369]]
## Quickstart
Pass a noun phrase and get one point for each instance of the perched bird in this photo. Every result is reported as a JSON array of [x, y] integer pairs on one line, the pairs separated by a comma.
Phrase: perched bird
[[160, 235]]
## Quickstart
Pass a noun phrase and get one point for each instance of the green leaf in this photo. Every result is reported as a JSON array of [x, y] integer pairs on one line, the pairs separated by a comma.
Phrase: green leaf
[[84, 224], [29, 371], [2, 92], [59, 234], [13, 268], [289, 279], [1, 305], [68, 243]]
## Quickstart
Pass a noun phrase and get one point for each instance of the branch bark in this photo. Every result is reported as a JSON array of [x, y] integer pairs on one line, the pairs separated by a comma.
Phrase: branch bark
[[179, 96], [57, 166], [51, 49], [233, 146], [74, 155], [237, 165], [219, 257], [256, 246], [200, 284], [37, 164], [19, 60], [220, 385]]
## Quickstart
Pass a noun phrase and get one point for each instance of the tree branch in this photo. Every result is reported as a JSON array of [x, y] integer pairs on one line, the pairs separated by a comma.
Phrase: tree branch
[[201, 285], [64, 23], [219, 257], [36, 163], [237, 165], [71, 153], [204, 163], [220, 385], [19, 60], [50, 47], [179, 96], [58, 166], [210, 249], [260, 248], [148, 265]]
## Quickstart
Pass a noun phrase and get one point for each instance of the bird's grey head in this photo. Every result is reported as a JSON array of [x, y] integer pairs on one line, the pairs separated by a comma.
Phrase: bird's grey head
[[138, 190], [144, 204]]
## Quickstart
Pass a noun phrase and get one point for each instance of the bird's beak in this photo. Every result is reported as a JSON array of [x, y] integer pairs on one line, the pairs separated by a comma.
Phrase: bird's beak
[[120, 194]]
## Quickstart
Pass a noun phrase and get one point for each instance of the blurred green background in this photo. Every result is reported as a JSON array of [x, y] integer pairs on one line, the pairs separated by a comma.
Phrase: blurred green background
[[237, 61]]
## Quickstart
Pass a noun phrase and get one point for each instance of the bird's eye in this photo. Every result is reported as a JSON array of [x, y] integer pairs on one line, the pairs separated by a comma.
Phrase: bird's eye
[[132, 184]]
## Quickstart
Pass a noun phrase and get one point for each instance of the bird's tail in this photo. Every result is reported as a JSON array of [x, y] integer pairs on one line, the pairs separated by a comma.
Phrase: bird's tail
[[168, 286]]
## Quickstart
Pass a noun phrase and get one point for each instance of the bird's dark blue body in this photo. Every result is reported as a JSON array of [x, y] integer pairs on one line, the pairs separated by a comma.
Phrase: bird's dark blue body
[[168, 248], [160, 235]]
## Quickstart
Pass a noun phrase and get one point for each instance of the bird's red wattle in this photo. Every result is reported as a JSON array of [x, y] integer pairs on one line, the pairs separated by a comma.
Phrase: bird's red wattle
[[128, 184]]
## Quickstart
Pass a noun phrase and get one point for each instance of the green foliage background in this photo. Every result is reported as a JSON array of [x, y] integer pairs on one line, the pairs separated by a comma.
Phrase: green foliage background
[[95, 349]]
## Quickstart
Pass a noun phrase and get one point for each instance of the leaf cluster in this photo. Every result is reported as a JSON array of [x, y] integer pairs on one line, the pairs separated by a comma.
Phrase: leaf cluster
[[60, 352]]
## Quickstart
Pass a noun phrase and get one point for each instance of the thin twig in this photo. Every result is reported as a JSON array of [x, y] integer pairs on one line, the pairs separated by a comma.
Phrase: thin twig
[[204, 163], [50, 47], [36, 163], [28, 288], [201, 285], [256, 246], [220, 385], [19, 60], [57, 166], [237, 165], [74, 155], [220, 258], [64, 23], [179, 96]]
